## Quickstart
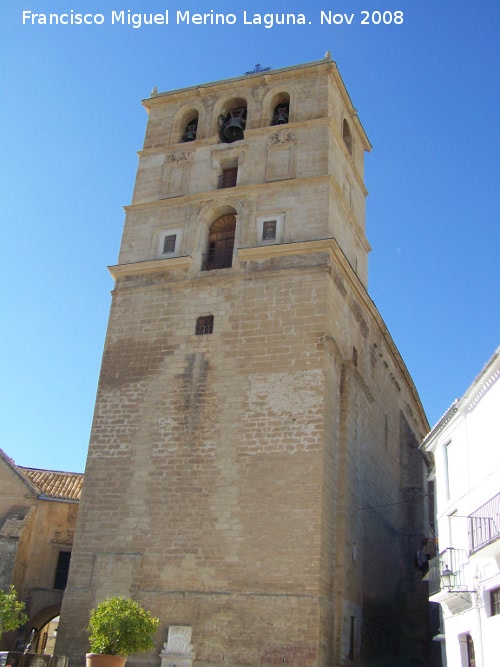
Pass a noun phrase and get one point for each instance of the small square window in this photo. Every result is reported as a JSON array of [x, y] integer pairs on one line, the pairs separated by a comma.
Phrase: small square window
[[269, 230], [169, 243], [495, 601], [204, 325], [228, 178]]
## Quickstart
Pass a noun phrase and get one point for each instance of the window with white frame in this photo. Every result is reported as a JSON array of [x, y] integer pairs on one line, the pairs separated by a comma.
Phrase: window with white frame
[[169, 243], [270, 229]]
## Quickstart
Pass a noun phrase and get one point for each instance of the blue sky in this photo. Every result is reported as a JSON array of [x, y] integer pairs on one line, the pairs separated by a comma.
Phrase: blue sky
[[72, 121]]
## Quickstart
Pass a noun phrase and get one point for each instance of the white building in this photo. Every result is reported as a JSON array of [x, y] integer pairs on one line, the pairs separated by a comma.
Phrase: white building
[[465, 577]]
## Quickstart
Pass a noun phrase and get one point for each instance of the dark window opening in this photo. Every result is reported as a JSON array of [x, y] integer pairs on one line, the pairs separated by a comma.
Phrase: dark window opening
[[280, 116], [431, 493], [190, 131], [169, 243], [220, 246], [471, 655], [495, 602], [269, 230], [354, 356], [62, 570], [228, 178], [347, 136], [204, 325], [352, 638]]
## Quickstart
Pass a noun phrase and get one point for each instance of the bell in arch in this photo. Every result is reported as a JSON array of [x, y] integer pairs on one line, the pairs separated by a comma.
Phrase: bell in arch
[[191, 128], [280, 115], [234, 125]]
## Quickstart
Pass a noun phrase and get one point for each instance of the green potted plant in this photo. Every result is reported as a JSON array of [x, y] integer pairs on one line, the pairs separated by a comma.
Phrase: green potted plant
[[11, 611], [119, 627]]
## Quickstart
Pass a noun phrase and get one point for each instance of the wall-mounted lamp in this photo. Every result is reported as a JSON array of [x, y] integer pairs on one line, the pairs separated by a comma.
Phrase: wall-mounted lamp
[[447, 578]]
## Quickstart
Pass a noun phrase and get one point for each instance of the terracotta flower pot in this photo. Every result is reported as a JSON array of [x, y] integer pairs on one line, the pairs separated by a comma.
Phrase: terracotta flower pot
[[103, 660]]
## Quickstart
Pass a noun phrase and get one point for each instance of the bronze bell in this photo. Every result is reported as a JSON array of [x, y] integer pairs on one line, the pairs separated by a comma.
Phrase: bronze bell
[[235, 125], [281, 115], [191, 129]]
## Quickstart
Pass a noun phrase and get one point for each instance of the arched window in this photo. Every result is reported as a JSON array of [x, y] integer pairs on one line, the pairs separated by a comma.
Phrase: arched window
[[347, 136], [220, 246]]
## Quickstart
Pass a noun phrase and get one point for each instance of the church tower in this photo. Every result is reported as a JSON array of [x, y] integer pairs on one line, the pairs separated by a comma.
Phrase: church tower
[[253, 475]]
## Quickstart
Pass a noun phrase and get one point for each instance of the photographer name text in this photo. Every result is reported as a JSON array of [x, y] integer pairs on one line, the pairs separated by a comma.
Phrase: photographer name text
[[186, 18]]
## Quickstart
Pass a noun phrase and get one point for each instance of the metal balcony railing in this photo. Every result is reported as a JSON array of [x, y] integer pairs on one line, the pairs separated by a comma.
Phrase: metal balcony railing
[[222, 259], [484, 524], [447, 571]]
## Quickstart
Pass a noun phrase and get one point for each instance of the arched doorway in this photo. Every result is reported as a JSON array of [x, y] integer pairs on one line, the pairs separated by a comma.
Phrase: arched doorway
[[220, 245], [46, 638], [41, 631]]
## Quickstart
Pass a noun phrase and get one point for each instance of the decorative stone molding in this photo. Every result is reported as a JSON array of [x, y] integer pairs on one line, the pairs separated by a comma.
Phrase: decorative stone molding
[[281, 156], [179, 156], [152, 266], [259, 92], [178, 651], [282, 137], [223, 154], [208, 101], [72, 515], [175, 174], [63, 537]]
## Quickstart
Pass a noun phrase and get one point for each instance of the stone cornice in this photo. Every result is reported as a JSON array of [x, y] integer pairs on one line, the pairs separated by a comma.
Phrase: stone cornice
[[160, 98], [151, 266], [222, 193], [285, 249]]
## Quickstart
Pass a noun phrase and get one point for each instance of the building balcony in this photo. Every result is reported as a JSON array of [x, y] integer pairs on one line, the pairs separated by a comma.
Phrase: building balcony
[[217, 260], [446, 570], [450, 580], [484, 526]]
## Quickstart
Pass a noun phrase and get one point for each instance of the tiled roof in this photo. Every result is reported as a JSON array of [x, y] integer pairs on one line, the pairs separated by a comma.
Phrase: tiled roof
[[54, 484]]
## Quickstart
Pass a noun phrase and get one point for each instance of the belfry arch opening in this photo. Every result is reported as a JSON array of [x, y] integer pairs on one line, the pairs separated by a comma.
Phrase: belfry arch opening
[[280, 109], [347, 136], [190, 128], [220, 244], [232, 122]]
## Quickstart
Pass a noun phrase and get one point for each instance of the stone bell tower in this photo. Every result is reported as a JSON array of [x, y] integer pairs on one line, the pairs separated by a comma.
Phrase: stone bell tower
[[253, 451]]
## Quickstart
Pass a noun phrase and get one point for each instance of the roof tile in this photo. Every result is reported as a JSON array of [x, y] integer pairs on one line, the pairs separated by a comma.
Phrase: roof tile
[[55, 484]]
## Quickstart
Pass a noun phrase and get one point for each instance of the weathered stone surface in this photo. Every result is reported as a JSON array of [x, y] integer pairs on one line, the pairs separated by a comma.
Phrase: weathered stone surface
[[248, 483]]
